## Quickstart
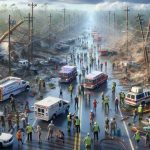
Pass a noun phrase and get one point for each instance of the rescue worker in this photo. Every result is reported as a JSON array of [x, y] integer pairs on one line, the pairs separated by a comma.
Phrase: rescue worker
[[96, 130], [91, 117], [12, 101], [116, 104], [94, 104], [106, 103], [29, 130], [71, 90], [135, 113], [107, 126], [140, 112], [113, 87], [102, 96], [77, 124], [122, 98], [113, 126], [39, 132], [17, 119], [76, 102], [69, 121], [137, 136], [19, 136], [88, 142], [51, 128]]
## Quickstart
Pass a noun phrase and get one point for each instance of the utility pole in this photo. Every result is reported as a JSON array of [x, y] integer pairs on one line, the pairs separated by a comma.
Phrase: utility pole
[[109, 13], [50, 22], [64, 16], [114, 23], [9, 46], [29, 45], [32, 5], [127, 27], [69, 22], [144, 44]]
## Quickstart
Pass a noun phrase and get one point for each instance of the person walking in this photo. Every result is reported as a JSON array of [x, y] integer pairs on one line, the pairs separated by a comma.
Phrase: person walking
[[94, 104], [137, 136], [135, 113], [17, 119], [106, 104], [76, 102], [69, 121], [113, 126], [82, 90], [147, 139], [107, 126], [19, 136], [13, 105], [71, 90], [29, 130], [140, 112], [61, 93], [91, 115], [77, 124], [50, 128], [39, 132], [116, 105], [88, 142], [96, 130], [113, 87]]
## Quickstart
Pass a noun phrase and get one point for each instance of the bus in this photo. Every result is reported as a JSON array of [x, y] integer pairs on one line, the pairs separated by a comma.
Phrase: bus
[[67, 74], [94, 80], [11, 86]]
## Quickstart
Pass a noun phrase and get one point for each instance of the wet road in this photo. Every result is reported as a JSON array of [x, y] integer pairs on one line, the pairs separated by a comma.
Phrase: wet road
[[74, 141]]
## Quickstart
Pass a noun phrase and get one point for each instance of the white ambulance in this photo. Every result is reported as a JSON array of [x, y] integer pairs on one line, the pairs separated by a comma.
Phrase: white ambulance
[[137, 96], [12, 86], [50, 107]]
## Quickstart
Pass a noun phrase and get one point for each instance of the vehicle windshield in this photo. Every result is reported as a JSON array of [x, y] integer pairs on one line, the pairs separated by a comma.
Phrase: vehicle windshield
[[140, 96]]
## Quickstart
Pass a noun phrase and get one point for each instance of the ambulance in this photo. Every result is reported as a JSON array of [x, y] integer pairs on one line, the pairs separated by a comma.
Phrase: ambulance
[[50, 107], [137, 96], [12, 86]]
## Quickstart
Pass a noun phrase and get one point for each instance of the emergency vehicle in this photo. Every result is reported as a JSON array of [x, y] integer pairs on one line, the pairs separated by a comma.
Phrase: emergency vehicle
[[50, 108], [95, 79], [67, 74], [12, 86], [137, 96]]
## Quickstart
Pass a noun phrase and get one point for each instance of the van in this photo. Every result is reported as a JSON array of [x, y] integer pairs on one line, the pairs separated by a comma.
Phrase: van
[[50, 107]]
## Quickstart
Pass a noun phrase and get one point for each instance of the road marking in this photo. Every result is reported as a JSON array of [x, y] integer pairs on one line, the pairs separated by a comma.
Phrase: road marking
[[75, 142], [32, 126], [125, 126]]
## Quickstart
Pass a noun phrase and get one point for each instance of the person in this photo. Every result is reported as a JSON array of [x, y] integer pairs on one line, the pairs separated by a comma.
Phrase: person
[[102, 96], [76, 102], [106, 103], [96, 130], [80, 77], [113, 87], [105, 63], [26, 107], [9, 119], [140, 112], [39, 131], [12, 101], [107, 126], [137, 136], [50, 128], [82, 89], [113, 126], [122, 97], [29, 130], [91, 117], [60, 135], [88, 142], [94, 104], [79, 90], [135, 113], [77, 124], [60, 93], [69, 121], [147, 139], [19, 136], [17, 119], [87, 69], [71, 90], [101, 66], [116, 104]]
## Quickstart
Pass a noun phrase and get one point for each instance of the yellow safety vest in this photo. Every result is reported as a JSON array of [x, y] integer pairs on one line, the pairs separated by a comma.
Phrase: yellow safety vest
[[96, 128], [29, 129], [69, 118], [140, 109], [87, 140], [77, 122], [137, 136]]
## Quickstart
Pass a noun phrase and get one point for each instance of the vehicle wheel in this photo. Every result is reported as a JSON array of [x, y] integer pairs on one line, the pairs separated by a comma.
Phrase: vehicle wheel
[[1, 145], [54, 116]]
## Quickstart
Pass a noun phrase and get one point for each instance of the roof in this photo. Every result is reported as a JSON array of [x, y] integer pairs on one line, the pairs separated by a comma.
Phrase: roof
[[48, 101], [94, 74], [67, 69], [8, 80]]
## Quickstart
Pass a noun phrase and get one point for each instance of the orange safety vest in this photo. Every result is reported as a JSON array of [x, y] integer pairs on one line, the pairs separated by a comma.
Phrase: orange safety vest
[[19, 135]]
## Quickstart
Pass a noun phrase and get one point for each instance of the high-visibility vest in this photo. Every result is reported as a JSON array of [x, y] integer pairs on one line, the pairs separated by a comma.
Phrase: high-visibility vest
[[29, 129], [106, 100], [137, 136], [140, 109], [88, 140], [77, 122], [69, 118], [18, 135], [96, 128]]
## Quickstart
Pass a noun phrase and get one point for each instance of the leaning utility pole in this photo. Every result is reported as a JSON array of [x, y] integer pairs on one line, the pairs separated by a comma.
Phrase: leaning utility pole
[[32, 5], [144, 42], [64, 16], [127, 27], [50, 22], [9, 46]]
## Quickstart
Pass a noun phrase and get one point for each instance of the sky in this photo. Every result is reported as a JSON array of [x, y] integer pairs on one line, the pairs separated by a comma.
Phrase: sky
[[84, 4]]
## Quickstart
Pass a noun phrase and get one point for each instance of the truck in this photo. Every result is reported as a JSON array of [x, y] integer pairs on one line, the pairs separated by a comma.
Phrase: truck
[[11, 86], [50, 107]]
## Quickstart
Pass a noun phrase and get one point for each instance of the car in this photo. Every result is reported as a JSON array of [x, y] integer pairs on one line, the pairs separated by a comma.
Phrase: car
[[6, 139]]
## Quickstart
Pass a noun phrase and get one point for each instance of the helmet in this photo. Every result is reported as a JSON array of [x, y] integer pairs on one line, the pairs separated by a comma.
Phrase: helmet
[[88, 134], [95, 123]]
